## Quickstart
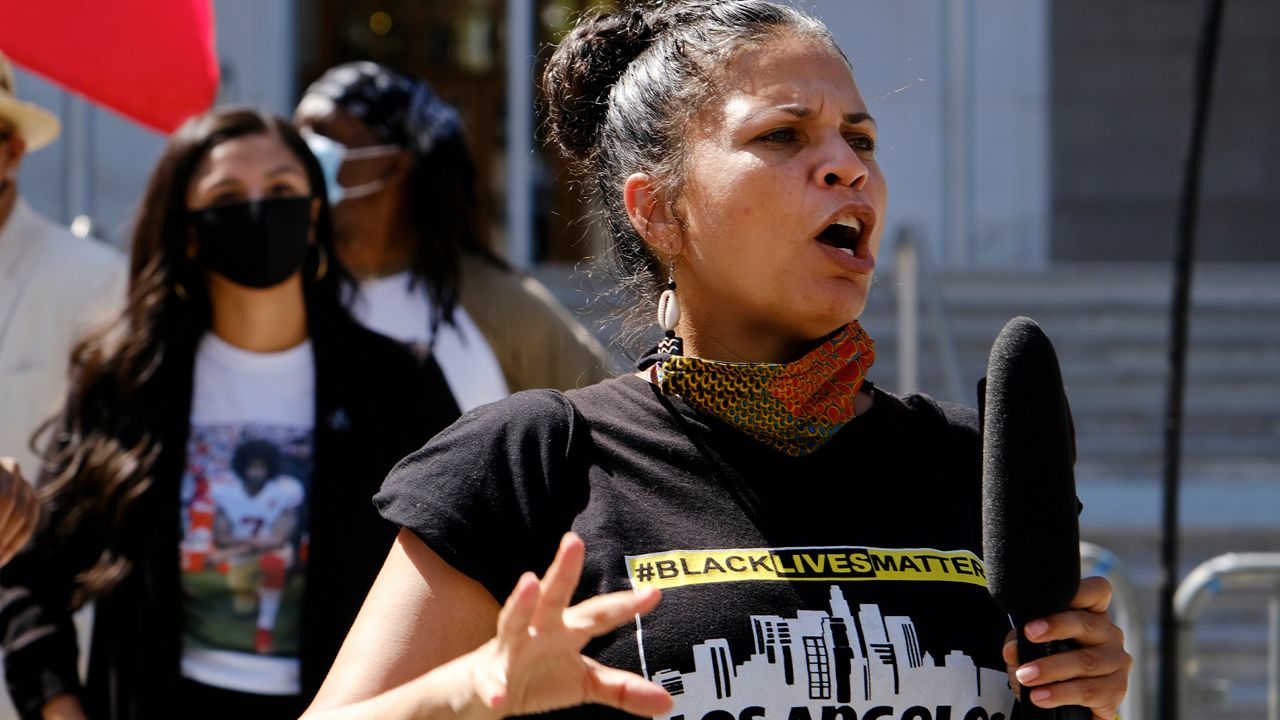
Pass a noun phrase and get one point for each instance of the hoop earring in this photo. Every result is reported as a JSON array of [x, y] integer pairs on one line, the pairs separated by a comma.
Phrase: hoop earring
[[322, 264], [181, 291], [669, 316]]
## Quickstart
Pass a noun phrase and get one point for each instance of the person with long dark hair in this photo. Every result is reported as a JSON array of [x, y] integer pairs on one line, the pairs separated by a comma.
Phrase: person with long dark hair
[[817, 540], [234, 351], [403, 184]]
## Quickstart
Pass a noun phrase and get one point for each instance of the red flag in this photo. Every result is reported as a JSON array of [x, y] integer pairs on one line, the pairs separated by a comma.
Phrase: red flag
[[152, 60]]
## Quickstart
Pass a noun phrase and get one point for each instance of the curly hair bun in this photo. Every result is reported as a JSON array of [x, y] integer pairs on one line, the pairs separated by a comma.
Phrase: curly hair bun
[[585, 67]]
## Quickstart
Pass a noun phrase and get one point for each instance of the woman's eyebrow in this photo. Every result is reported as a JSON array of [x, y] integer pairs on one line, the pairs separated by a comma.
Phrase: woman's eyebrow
[[800, 111], [860, 117]]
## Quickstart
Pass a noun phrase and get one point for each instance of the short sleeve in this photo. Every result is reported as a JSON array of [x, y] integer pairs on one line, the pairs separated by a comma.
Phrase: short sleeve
[[493, 493]]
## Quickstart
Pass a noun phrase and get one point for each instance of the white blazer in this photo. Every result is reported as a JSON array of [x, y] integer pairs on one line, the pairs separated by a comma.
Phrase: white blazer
[[54, 287]]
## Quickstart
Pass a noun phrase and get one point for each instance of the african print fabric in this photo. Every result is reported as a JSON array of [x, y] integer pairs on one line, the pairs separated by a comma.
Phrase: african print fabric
[[792, 407]]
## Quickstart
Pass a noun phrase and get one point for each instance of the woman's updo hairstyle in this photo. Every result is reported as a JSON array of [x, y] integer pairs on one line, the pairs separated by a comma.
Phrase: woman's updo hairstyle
[[622, 87]]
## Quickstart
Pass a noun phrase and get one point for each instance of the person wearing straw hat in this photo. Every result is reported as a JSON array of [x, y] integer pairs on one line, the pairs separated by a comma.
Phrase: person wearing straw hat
[[53, 285]]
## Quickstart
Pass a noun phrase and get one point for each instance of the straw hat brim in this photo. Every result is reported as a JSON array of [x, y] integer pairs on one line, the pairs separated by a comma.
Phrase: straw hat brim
[[37, 127]]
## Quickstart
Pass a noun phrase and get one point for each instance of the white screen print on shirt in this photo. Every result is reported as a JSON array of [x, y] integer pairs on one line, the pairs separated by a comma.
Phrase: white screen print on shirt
[[836, 662], [244, 517]]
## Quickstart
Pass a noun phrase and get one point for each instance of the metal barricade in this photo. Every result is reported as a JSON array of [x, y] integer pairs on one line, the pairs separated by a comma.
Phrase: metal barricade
[[1096, 560], [1232, 571]]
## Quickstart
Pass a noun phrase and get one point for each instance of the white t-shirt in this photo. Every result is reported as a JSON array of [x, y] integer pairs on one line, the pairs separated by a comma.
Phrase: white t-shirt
[[390, 306], [244, 516]]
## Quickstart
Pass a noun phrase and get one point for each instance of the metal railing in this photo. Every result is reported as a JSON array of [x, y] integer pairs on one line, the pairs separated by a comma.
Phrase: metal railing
[[1229, 572]]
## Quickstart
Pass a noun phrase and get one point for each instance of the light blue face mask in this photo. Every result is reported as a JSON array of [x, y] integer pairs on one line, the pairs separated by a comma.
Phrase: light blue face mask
[[332, 154]]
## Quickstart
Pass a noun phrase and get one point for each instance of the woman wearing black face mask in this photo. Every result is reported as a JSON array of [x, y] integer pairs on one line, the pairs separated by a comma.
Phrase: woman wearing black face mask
[[209, 482]]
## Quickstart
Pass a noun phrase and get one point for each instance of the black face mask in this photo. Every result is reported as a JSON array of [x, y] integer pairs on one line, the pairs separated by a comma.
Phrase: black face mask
[[256, 244]]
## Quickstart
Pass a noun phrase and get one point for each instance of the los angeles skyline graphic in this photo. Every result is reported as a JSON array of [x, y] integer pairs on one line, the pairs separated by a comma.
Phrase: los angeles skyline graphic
[[835, 664]]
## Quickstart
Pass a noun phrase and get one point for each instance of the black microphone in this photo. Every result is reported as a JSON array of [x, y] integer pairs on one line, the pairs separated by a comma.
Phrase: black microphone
[[1030, 524]]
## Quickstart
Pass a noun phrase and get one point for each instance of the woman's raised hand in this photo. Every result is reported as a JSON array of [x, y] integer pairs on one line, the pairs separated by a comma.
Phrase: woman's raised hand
[[535, 663], [1094, 675]]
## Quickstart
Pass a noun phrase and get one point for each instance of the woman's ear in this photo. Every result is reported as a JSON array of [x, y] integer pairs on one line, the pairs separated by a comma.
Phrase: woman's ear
[[651, 215]]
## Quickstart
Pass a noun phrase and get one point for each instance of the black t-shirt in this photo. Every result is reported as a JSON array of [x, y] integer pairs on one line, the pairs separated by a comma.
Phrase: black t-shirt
[[843, 585]]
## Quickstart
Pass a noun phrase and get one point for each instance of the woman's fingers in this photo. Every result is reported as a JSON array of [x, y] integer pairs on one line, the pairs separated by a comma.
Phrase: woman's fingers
[[1096, 673], [490, 678], [624, 690], [602, 613], [534, 664], [559, 582], [1082, 626], [517, 611], [594, 615], [1101, 650], [1100, 694], [1086, 623], [1094, 595], [1083, 662]]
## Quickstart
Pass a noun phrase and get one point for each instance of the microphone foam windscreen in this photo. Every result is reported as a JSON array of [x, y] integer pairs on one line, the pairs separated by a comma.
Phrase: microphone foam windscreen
[[1030, 525]]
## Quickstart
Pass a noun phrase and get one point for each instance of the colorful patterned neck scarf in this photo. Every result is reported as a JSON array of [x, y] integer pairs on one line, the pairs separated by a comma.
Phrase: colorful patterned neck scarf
[[794, 408]]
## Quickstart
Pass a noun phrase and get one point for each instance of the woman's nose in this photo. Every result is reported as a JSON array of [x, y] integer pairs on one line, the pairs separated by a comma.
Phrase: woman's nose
[[842, 166]]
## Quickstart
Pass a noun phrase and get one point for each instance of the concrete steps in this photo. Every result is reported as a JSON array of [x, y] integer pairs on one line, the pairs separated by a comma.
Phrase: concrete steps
[[1110, 327]]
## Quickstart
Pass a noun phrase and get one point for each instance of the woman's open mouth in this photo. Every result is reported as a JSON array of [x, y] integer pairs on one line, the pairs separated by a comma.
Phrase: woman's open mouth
[[845, 240], [843, 234]]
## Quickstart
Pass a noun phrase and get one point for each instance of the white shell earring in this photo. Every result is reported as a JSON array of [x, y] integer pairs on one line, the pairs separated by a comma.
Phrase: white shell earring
[[669, 316], [668, 311]]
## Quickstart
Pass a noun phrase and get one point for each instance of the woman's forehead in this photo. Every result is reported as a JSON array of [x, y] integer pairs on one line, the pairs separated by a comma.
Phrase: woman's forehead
[[249, 152], [802, 76], [259, 154], [789, 64]]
